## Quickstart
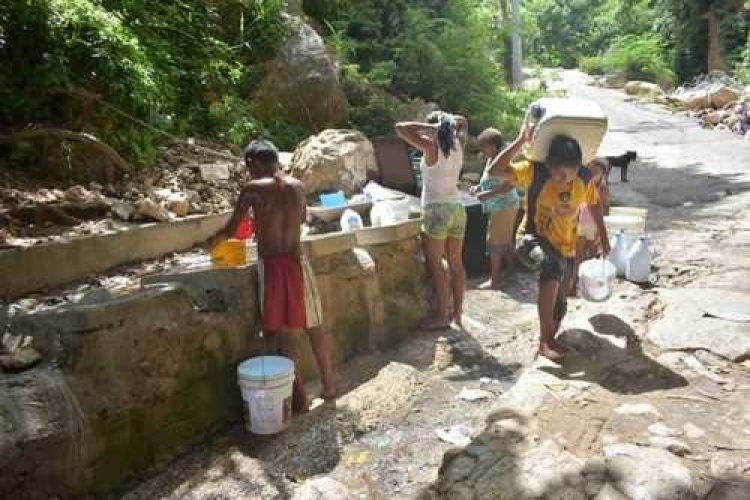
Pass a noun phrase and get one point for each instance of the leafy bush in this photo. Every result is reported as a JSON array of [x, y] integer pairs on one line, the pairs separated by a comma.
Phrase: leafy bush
[[398, 50], [595, 65], [183, 67], [640, 57]]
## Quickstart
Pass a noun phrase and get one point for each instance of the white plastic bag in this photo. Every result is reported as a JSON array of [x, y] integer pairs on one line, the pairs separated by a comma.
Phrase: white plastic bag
[[382, 214]]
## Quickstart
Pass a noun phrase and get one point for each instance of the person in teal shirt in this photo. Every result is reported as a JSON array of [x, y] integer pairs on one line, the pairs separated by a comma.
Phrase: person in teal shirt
[[500, 202]]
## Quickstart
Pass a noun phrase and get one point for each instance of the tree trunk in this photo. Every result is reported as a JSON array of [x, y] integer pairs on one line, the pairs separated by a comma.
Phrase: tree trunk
[[716, 60], [504, 25], [516, 43]]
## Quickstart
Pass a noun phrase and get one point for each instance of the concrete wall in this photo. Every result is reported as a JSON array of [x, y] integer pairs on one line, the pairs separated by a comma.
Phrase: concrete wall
[[24, 270], [133, 380]]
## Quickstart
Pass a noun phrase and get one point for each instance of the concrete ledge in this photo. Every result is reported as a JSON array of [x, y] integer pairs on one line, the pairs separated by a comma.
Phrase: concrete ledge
[[55, 264], [381, 235], [147, 374], [327, 244]]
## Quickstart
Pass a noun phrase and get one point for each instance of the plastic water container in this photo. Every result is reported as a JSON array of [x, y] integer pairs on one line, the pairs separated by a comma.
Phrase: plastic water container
[[597, 279], [382, 214], [245, 229], [230, 253], [618, 254], [266, 385], [351, 220], [638, 268], [401, 209], [580, 119], [333, 200], [635, 211], [631, 225]]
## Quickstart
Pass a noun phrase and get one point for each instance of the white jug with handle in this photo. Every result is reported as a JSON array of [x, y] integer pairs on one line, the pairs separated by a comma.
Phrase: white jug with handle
[[638, 267], [618, 254]]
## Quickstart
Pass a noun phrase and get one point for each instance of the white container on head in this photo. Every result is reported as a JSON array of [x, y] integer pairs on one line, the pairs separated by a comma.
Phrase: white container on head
[[581, 119]]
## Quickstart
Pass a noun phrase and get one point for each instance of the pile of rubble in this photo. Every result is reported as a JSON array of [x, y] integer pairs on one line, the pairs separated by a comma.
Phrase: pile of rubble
[[717, 101], [188, 179]]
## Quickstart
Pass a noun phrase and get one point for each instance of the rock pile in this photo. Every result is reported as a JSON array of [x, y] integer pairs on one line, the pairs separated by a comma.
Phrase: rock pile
[[186, 180], [716, 100]]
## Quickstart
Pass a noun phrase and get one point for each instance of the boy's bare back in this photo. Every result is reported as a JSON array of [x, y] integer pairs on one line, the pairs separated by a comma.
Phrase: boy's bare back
[[279, 207]]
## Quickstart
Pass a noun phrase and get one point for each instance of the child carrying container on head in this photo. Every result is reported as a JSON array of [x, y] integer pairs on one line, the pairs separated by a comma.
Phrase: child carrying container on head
[[500, 201], [589, 243], [555, 190]]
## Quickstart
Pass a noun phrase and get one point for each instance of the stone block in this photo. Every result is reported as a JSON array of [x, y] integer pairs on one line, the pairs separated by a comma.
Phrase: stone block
[[382, 235], [326, 244]]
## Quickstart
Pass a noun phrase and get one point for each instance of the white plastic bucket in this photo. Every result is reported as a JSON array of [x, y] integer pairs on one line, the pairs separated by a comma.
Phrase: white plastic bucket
[[266, 385], [632, 225], [636, 211], [597, 279]]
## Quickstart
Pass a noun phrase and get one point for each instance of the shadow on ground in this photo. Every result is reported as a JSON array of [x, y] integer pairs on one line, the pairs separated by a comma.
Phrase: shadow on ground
[[623, 370], [504, 461], [673, 187]]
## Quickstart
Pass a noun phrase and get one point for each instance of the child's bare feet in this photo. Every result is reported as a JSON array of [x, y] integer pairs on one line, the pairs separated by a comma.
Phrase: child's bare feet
[[549, 352]]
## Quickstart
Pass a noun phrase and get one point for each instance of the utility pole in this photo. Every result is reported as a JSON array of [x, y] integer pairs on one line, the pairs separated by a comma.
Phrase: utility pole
[[516, 50]]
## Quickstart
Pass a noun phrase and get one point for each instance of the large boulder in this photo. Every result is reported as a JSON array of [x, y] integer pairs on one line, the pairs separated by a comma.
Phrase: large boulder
[[302, 84], [637, 87], [334, 160], [720, 95], [693, 99], [614, 81], [648, 473]]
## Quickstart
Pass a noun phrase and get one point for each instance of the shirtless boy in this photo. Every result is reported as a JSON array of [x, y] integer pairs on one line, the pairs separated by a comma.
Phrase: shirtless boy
[[289, 298]]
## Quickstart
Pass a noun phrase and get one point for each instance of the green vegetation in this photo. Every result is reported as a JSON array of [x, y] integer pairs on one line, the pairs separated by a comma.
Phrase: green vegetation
[[638, 57], [658, 40], [184, 67], [444, 52], [127, 71]]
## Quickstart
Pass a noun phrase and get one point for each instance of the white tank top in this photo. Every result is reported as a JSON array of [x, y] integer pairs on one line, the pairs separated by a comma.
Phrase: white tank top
[[439, 181]]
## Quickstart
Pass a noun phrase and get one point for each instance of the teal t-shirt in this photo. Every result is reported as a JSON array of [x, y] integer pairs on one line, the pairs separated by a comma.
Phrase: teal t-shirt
[[510, 199]]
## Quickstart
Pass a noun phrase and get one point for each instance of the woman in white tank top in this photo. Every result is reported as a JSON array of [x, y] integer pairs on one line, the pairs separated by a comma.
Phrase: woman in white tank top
[[441, 141]]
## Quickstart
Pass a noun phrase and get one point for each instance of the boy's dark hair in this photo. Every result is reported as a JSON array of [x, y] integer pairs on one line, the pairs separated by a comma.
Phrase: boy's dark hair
[[564, 151], [262, 151], [491, 136]]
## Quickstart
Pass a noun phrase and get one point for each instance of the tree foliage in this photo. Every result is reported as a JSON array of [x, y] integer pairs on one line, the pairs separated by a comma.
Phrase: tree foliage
[[638, 37], [179, 66], [437, 50]]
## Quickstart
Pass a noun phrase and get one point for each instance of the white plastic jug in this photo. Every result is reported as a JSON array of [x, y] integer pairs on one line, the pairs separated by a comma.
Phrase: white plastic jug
[[350, 220], [618, 254], [382, 214], [638, 267], [596, 277]]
